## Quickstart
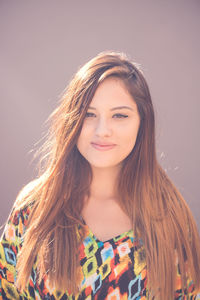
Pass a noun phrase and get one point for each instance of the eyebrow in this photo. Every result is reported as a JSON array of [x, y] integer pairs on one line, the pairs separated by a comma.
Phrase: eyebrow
[[115, 108]]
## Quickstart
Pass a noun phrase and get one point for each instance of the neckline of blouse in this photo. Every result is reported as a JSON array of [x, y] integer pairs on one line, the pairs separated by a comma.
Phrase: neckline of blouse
[[116, 238]]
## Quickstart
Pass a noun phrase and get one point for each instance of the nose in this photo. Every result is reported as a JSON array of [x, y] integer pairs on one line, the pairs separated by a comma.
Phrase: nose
[[103, 128]]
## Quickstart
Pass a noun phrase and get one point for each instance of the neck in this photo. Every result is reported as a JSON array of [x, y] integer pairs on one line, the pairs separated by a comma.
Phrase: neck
[[103, 184]]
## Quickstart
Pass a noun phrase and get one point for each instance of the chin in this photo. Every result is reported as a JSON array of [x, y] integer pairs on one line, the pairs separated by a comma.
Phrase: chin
[[105, 165]]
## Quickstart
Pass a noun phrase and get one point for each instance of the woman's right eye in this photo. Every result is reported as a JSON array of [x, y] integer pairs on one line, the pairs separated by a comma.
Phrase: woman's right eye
[[90, 115]]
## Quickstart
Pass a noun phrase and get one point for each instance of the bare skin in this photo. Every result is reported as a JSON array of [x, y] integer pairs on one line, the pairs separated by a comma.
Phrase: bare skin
[[101, 212]]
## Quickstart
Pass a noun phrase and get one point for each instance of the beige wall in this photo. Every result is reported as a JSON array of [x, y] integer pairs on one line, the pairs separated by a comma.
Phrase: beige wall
[[42, 43]]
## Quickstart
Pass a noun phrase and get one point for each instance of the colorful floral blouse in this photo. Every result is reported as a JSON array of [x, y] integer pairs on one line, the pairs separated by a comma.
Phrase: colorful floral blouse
[[112, 270]]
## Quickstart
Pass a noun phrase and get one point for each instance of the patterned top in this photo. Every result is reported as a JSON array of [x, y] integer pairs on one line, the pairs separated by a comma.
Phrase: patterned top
[[112, 270]]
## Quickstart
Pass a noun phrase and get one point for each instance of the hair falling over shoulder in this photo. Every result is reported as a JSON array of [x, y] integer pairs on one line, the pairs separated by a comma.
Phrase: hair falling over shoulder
[[159, 214]]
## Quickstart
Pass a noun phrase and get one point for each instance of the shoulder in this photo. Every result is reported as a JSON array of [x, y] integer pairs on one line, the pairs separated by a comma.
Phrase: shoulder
[[16, 225], [18, 219]]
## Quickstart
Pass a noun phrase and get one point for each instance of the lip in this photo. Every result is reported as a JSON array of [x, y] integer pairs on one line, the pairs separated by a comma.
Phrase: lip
[[103, 146]]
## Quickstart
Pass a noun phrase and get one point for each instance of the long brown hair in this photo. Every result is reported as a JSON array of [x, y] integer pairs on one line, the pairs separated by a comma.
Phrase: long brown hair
[[159, 214]]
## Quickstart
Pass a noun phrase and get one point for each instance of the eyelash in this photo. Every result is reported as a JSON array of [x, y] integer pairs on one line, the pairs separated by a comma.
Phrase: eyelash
[[121, 116], [118, 116], [89, 115]]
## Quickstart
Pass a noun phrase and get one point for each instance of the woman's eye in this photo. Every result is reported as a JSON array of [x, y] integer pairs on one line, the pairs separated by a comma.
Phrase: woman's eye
[[90, 115], [120, 116]]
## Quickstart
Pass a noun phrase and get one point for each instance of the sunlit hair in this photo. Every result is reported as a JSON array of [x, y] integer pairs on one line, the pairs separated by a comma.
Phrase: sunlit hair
[[159, 214]]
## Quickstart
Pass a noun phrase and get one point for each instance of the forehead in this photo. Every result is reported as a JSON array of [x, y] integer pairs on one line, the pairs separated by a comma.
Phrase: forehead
[[112, 91]]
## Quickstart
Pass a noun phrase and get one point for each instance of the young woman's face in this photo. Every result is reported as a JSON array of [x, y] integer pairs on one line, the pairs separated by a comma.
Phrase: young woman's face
[[110, 127]]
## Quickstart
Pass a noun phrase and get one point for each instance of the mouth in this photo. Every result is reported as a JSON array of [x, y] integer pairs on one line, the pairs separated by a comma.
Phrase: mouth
[[103, 147]]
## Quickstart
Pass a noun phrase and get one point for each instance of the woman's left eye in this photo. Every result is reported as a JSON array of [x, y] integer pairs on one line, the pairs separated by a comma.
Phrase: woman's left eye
[[120, 116]]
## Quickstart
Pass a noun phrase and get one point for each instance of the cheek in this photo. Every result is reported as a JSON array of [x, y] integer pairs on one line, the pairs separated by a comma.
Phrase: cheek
[[84, 138], [129, 136], [129, 132], [80, 142], [128, 143]]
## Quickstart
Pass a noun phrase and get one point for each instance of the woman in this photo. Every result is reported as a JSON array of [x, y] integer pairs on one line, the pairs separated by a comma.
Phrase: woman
[[102, 220]]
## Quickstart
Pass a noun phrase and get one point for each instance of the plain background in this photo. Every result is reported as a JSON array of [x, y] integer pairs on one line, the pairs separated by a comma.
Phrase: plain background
[[43, 43]]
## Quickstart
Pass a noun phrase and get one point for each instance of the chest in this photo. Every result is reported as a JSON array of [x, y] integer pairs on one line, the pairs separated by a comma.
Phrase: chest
[[105, 219], [115, 269]]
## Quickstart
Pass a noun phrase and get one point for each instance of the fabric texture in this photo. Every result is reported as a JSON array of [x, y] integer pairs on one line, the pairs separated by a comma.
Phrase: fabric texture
[[112, 270]]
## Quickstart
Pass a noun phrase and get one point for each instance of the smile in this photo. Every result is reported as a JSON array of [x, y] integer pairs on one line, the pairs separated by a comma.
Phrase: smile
[[103, 147]]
